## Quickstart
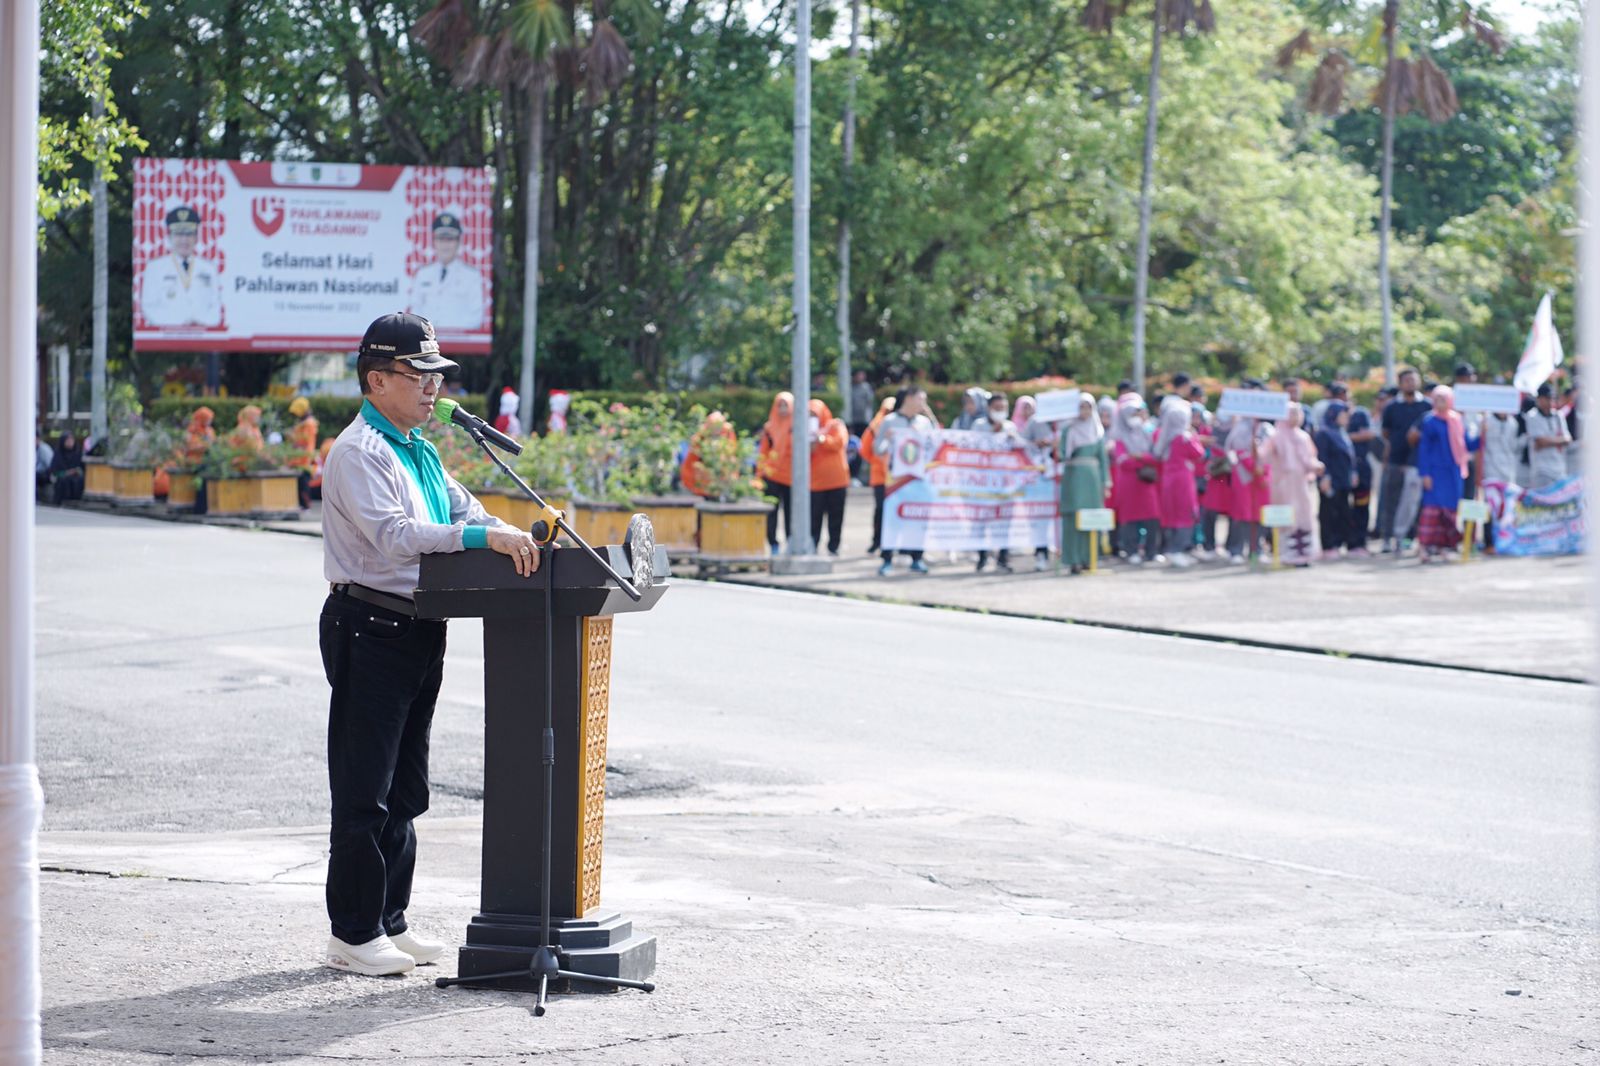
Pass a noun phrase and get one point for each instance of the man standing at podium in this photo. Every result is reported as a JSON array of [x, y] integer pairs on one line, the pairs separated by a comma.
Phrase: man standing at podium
[[386, 500]]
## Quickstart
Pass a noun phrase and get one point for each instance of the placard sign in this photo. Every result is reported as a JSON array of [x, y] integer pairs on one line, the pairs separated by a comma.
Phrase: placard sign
[[1277, 516], [1472, 511], [1494, 399], [1096, 520], [1254, 403], [1057, 406], [231, 256]]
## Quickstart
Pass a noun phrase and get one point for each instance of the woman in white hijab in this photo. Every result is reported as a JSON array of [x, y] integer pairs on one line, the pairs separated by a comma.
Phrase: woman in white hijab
[[1084, 471]]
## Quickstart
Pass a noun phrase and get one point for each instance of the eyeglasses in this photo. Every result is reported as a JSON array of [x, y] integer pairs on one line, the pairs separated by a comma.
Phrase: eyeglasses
[[424, 380]]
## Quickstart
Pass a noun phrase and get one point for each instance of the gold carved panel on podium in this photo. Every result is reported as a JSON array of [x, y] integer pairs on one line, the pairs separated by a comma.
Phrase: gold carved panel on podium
[[594, 712]]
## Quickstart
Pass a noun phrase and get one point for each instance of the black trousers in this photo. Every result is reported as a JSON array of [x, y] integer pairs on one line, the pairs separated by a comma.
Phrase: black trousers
[[877, 517], [1334, 518], [829, 502], [781, 494], [385, 669]]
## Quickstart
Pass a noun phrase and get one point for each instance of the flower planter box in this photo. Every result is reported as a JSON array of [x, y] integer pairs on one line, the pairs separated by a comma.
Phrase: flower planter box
[[263, 494], [98, 480], [599, 523], [182, 494], [733, 532], [132, 485], [498, 504], [676, 522]]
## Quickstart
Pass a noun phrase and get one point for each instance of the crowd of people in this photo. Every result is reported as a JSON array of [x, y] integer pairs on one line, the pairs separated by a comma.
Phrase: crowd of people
[[1188, 485]]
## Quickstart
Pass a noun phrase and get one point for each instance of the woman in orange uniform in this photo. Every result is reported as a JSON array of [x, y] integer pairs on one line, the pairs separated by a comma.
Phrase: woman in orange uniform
[[303, 447], [692, 474], [830, 474], [775, 461], [877, 469]]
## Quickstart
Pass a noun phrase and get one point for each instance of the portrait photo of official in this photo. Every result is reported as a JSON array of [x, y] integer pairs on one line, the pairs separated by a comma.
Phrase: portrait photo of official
[[447, 291], [180, 288]]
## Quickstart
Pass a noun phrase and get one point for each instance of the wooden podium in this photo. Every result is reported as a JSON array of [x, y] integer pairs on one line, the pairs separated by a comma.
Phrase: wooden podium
[[482, 584]]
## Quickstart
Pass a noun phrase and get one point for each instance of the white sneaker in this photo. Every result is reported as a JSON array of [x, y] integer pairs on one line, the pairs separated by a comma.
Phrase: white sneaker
[[376, 958], [1182, 560], [424, 951], [1135, 559], [1235, 560]]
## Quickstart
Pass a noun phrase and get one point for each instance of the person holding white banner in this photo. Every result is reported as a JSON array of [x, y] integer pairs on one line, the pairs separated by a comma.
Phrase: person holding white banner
[[910, 415]]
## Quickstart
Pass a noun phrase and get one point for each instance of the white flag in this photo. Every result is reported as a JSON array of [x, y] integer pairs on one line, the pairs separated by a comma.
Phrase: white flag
[[1542, 354]]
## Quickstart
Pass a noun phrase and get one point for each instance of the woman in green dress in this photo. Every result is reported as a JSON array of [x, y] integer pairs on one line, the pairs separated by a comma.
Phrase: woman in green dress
[[1084, 471]]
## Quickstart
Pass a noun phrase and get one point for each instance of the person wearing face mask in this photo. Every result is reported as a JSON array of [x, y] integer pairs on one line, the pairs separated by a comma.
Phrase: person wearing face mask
[[775, 463], [1134, 474], [910, 415], [1181, 455], [996, 422], [830, 474], [1084, 472]]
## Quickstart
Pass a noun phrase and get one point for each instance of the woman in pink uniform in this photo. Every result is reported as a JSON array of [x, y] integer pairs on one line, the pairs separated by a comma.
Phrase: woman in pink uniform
[[1138, 499], [1181, 456], [1248, 485]]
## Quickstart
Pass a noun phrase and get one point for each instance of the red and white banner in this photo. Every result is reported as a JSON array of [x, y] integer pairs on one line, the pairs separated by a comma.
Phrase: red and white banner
[[231, 256]]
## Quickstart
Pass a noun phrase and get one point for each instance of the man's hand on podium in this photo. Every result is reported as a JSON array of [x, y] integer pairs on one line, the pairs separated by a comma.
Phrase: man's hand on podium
[[519, 545]]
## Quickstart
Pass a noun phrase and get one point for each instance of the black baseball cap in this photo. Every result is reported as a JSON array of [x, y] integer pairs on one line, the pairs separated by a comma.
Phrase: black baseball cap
[[1337, 388], [408, 338], [1466, 370], [183, 220]]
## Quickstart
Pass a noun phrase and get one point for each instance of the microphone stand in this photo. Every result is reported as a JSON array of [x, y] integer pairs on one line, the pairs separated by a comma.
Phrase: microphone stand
[[545, 964]]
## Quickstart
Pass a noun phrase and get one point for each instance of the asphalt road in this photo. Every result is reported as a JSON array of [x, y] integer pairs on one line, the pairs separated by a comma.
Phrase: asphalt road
[[180, 690]]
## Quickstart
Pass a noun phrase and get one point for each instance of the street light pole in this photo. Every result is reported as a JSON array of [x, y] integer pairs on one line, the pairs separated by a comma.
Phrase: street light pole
[[841, 312], [800, 371], [20, 798], [98, 422]]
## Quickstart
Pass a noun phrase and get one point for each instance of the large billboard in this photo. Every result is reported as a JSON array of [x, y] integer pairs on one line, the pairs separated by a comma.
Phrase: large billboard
[[231, 256]]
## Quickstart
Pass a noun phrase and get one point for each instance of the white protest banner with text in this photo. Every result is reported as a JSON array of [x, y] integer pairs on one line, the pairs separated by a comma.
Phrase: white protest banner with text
[[1493, 399], [1254, 403], [952, 490], [1057, 406]]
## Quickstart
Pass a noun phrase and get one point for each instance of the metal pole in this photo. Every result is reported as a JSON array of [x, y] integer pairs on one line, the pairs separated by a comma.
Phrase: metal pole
[[530, 256], [800, 491], [1141, 279], [1385, 297], [20, 798], [97, 376], [1587, 302], [841, 313]]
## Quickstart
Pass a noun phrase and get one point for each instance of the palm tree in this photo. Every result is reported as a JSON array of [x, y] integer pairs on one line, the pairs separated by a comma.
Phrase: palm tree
[[1172, 16], [521, 45], [1405, 85]]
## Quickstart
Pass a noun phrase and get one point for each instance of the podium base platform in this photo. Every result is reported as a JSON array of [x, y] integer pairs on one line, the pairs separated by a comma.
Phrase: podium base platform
[[603, 944]]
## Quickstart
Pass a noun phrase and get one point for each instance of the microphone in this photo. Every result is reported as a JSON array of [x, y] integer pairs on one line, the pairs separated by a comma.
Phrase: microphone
[[447, 410]]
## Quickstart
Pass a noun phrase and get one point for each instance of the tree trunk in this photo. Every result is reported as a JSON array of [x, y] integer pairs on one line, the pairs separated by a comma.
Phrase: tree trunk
[[530, 257], [841, 312], [1141, 280], [1386, 300]]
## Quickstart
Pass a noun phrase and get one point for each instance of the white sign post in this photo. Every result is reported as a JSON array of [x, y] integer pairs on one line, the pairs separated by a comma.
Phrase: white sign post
[[1095, 521], [1254, 403], [1057, 406]]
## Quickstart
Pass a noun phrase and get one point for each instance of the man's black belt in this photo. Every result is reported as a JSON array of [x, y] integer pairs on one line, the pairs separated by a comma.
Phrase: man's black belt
[[387, 600]]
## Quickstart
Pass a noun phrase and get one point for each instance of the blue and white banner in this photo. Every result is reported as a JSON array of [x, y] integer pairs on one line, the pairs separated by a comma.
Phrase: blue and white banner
[[953, 490], [1548, 521]]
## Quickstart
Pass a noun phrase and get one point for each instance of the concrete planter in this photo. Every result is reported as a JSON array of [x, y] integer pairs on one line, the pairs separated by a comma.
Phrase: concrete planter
[[676, 522], [132, 485], [263, 494], [99, 483], [733, 532]]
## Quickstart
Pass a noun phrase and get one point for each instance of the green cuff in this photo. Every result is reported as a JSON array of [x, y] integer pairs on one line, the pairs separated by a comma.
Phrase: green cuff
[[475, 537]]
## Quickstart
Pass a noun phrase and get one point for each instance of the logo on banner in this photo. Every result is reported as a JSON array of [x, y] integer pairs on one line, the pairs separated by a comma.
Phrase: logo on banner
[[267, 213]]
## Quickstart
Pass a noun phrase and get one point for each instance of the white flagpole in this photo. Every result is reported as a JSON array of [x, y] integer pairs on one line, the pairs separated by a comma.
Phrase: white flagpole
[[20, 799]]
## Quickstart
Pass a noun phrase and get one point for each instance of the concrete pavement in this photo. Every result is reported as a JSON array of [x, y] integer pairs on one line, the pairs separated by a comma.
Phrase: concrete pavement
[[863, 833]]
